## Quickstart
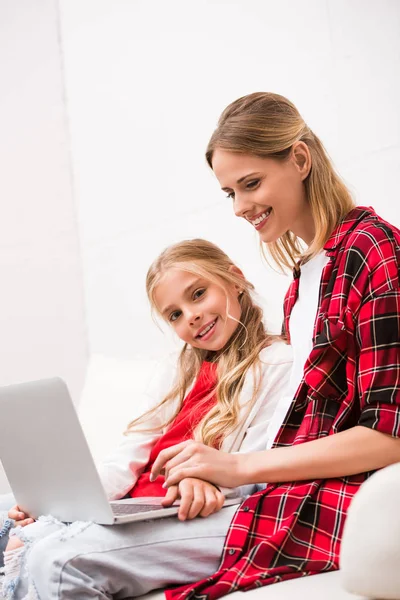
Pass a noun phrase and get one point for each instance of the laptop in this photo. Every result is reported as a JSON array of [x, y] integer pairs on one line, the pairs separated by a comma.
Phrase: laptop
[[48, 462]]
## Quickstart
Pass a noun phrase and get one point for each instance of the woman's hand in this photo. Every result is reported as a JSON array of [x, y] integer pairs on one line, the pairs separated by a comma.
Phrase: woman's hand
[[198, 498], [193, 459], [21, 519]]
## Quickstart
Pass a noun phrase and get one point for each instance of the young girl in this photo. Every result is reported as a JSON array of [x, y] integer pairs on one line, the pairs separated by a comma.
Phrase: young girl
[[223, 393], [342, 315]]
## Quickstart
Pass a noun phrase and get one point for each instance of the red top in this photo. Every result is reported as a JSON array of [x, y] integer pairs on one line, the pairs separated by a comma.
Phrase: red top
[[195, 406], [351, 378]]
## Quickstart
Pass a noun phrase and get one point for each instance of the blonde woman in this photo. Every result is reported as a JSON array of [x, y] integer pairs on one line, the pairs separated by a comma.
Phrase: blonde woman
[[342, 316], [223, 392]]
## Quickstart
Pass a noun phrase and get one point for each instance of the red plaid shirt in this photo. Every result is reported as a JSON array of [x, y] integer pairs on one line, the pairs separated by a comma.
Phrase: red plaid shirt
[[352, 377]]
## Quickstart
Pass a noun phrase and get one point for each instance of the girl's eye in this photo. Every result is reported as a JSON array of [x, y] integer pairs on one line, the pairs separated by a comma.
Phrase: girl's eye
[[231, 195], [252, 184], [198, 293], [175, 315]]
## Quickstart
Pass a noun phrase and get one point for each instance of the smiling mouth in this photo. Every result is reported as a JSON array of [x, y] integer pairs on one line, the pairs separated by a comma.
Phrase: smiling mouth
[[207, 329], [261, 219]]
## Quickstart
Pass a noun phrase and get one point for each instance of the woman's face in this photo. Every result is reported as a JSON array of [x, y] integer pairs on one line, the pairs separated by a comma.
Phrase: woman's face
[[268, 193]]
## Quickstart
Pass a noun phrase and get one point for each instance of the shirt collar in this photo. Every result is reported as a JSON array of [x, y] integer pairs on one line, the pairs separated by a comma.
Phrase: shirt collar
[[346, 226], [341, 231]]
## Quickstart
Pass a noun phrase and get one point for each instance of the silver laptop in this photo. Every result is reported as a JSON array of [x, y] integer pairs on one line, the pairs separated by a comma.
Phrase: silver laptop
[[48, 462]]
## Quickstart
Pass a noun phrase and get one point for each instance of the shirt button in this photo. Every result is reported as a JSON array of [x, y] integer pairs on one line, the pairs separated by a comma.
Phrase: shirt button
[[246, 509], [231, 551]]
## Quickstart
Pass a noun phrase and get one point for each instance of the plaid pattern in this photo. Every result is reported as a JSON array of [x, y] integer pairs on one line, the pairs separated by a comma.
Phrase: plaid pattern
[[351, 377]]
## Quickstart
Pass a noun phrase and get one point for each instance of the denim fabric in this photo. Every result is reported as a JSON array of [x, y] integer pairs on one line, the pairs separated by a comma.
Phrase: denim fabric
[[85, 560], [6, 502], [5, 526]]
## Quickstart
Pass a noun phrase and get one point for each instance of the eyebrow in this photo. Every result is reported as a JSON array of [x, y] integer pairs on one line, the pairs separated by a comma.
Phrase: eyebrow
[[185, 292], [241, 179]]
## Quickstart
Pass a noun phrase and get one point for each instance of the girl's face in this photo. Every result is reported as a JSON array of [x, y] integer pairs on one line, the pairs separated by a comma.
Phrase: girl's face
[[268, 193], [197, 309]]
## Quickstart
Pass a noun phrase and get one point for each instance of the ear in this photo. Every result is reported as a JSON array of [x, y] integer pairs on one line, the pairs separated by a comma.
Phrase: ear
[[302, 159], [237, 271]]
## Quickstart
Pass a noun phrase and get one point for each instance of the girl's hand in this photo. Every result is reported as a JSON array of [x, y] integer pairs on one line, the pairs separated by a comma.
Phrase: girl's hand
[[21, 519], [193, 459], [198, 498]]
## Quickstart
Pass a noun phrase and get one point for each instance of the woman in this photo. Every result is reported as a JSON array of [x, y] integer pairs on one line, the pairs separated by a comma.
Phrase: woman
[[342, 316]]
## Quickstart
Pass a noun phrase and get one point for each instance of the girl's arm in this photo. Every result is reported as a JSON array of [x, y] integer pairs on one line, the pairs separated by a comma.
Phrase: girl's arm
[[121, 468]]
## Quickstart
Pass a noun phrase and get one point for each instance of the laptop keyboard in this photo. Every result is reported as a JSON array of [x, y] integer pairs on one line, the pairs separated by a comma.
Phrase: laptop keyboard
[[133, 509]]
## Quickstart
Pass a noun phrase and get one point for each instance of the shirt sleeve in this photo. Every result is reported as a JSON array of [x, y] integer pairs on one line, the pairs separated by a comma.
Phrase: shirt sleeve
[[270, 410], [378, 379]]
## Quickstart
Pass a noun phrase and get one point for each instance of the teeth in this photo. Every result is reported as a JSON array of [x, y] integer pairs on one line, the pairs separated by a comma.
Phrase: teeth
[[262, 217], [207, 329]]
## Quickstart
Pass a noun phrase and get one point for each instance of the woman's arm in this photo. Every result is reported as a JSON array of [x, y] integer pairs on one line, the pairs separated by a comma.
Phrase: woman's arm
[[356, 450]]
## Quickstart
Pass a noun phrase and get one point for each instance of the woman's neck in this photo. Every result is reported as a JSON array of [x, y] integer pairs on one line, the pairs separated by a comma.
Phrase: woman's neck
[[305, 227]]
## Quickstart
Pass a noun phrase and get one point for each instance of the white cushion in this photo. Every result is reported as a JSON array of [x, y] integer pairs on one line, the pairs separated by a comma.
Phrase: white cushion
[[370, 556], [111, 398]]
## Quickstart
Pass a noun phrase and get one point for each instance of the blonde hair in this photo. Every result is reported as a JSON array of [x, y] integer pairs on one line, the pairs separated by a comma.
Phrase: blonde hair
[[267, 125], [241, 353]]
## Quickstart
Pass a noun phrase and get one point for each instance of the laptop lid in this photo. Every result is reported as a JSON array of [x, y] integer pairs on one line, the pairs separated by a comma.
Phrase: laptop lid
[[46, 456]]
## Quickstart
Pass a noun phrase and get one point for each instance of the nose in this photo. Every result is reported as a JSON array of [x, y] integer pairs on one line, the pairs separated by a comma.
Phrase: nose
[[240, 206], [194, 317]]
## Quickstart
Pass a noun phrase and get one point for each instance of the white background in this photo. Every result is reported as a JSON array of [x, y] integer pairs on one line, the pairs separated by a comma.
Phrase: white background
[[42, 324], [146, 82], [106, 110]]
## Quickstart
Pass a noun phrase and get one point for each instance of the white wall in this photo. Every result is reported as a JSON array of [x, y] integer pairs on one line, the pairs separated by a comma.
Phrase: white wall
[[146, 82], [42, 316]]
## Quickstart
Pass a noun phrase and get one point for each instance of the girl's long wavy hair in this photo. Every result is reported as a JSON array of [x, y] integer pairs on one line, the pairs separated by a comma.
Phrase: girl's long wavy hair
[[240, 354], [267, 125]]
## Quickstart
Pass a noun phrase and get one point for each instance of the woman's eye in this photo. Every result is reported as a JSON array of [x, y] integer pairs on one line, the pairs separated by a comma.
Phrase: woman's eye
[[252, 184], [198, 293], [231, 195], [175, 315]]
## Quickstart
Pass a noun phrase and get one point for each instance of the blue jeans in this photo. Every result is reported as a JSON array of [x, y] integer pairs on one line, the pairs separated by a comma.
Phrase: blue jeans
[[6, 502], [87, 561]]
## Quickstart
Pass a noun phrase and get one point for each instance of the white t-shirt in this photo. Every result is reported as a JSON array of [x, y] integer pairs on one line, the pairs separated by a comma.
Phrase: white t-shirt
[[302, 319], [301, 327]]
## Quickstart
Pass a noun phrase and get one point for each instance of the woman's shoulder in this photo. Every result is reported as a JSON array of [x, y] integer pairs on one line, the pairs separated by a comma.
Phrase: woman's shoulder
[[370, 256], [278, 352], [370, 233]]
